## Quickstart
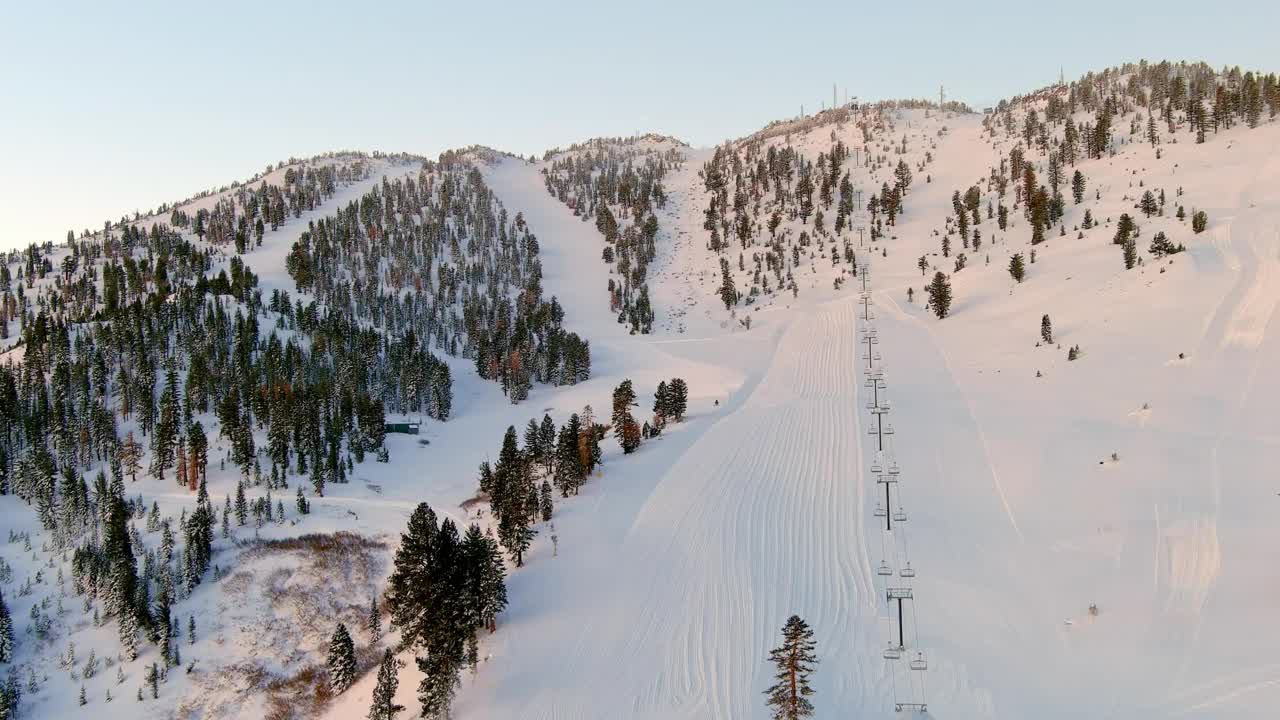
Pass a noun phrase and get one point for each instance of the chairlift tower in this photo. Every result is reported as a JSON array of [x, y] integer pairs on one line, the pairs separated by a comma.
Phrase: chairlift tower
[[880, 410], [887, 479], [870, 337], [865, 302]]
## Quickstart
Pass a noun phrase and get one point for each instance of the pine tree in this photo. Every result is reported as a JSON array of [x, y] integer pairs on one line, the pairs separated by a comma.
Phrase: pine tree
[[373, 622], [569, 472], [123, 588], [728, 292], [198, 447], [440, 681], [1199, 221], [1148, 204], [793, 661], [6, 632], [242, 505], [1077, 187], [411, 583], [940, 295], [661, 403], [544, 501], [515, 534], [625, 427], [547, 442], [1017, 269], [1124, 228], [1130, 253], [492, 583], [383, 706], [678, 393], [1046, 330], [131, 456], [532, 446], [164, 440], [342, 660], [446, 642]]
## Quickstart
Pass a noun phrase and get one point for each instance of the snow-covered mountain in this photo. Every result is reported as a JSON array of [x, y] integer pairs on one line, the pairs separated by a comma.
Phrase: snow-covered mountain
[[1079, 500]]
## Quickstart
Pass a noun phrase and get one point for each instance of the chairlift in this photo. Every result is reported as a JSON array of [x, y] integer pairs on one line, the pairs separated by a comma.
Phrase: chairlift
[[880, 511], [875, 464], [892, 652], [899, 515], [884, 569], [919, 662], [888, 430], [908, 571], [893, 468]]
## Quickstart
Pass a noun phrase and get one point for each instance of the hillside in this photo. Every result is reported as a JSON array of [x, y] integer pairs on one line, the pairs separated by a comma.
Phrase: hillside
[[1081, 502]]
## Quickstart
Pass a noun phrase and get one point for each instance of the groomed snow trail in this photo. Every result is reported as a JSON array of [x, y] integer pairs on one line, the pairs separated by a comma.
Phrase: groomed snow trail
[[760, 518]]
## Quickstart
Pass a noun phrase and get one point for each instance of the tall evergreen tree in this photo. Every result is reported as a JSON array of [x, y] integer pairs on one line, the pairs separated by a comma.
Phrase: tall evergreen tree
[[383, 706], [678, 393], [341, 661], [1130, 253], [728, 292], [625, 427], [793, 662], [412, 580], [6, 632], [1077, 187], [569, 472], [940, 295], [373, 621], [1017, 268]]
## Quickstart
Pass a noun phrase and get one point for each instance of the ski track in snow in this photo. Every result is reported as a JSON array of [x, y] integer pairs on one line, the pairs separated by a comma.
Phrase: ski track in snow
[[760, 518]]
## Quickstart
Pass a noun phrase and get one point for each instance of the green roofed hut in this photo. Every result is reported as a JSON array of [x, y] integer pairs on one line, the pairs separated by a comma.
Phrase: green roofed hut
[[404, 428]]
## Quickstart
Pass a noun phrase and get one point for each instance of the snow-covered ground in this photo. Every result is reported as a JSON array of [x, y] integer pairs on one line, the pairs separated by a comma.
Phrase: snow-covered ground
[[1137, 478], [672, 582]]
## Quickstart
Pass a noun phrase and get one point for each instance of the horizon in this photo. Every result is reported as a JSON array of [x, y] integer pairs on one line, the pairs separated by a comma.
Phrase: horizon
[[111, 120]]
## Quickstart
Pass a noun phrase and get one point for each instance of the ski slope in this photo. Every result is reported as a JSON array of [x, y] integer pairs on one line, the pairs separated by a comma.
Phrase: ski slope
[[670, 586], [1136, 478]]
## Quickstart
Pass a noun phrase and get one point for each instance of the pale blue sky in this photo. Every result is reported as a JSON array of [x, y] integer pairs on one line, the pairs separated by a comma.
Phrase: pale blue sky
[[107, 108]]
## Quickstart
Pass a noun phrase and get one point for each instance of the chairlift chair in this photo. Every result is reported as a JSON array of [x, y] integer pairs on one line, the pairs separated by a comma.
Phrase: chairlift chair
[[908, 571], [880, 511], [893, 468], [899, 515], [919, 663], [884, 569], [888, 429], [892, 652], [875, 464]]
